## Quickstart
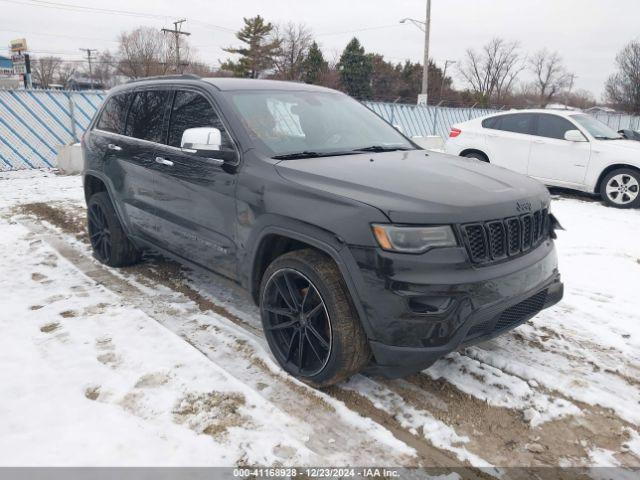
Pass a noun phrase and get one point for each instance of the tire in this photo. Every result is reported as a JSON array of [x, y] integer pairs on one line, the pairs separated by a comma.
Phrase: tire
[[620, 188], [108, 240], [477, 155], [314, 279]]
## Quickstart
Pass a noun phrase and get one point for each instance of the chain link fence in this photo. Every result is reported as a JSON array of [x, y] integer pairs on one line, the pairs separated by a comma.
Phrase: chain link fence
[[34, 124]]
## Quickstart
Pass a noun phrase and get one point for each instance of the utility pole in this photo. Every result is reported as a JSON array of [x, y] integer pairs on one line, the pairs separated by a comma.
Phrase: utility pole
[[425, 73], [572, 79], [177, 31], [425, 27], [89, 53], [444, 76]]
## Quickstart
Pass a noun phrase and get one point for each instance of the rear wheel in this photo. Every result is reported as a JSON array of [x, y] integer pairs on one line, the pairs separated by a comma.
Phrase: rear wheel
[[309, 321], [108, 240], [621, 188], [477, 155]]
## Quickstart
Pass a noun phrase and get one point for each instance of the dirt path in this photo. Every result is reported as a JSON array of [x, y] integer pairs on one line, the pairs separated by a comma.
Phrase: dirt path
[[442, 424]]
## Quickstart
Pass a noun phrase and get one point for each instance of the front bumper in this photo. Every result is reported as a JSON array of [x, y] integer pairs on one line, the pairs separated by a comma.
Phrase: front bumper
[[420, 308]]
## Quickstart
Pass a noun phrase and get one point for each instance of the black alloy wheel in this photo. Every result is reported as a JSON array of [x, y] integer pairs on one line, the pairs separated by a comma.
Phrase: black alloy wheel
[[297, 322], [99, 233]]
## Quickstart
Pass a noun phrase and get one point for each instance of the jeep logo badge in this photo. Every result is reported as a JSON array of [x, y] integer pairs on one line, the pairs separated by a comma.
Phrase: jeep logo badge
[[523, 206]]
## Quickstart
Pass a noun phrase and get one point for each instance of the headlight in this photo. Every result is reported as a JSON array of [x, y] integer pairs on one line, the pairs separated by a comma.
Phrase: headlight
[[413, 239]]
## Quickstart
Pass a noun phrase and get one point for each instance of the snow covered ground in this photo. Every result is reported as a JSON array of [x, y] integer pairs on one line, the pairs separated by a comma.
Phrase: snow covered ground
[[161, 365]]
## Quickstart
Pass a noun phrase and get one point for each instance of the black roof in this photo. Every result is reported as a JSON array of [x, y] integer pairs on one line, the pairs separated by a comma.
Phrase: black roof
[[227, 83]]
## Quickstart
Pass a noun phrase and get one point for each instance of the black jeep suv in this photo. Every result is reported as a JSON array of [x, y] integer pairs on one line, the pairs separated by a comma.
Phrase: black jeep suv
[[361, 249]]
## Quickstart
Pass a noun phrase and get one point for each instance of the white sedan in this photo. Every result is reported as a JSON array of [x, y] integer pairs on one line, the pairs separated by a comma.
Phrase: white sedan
[[561, 149]]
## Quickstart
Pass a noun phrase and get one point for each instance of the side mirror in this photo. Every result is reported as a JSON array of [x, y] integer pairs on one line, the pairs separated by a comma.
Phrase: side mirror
[[201, 139], [574, 136], [207, 142]]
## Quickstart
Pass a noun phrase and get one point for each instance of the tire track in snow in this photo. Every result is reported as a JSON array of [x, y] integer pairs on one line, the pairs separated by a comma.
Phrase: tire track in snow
[[338, 427]]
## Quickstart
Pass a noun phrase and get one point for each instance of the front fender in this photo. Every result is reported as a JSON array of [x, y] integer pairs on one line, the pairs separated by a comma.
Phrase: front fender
[[321, 239]]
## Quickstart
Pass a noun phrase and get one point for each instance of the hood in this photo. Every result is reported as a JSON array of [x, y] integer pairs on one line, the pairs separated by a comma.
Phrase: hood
[[624, 144], [421, 187]]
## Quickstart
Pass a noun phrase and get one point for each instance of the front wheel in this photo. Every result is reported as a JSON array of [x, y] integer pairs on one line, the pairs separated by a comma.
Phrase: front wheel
[[621, 188], [309, 321]]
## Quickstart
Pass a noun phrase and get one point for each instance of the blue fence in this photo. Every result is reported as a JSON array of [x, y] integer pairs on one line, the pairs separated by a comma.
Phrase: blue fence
[[35, 123]]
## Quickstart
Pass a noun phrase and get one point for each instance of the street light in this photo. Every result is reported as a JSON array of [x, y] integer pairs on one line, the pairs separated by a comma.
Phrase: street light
[[418, 23], [425, 27]]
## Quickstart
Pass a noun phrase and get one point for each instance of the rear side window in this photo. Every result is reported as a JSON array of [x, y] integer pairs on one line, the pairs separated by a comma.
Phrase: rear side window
[[490, 122], [192, 110], [114, 114], [553, 126], [516, 123], [145, 120]]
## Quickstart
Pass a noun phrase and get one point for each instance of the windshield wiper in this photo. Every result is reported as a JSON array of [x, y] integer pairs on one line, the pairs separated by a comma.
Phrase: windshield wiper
[[602, 137], [308, 154], [381, 148]]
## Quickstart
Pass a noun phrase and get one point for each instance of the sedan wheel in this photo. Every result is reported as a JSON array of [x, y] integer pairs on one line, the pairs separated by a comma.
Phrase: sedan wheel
[[297, 321]]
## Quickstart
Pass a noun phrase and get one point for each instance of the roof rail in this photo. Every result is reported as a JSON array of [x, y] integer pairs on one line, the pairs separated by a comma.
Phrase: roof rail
[[185, 76]]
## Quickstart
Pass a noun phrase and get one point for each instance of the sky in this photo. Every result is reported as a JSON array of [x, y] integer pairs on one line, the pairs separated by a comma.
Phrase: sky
[[587, 33]]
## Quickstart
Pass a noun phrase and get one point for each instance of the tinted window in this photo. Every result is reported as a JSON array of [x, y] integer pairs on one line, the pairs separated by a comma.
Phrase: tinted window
[[146, 116], [114, 114], [489, 122], [192, 110], [553, 126], [517, 123]]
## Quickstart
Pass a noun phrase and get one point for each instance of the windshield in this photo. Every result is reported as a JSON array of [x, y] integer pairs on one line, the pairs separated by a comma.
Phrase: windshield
[[286, 123], [596, 128]]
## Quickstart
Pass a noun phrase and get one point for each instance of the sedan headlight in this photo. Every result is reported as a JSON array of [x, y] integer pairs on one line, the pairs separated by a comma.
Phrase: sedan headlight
[[404, 239]]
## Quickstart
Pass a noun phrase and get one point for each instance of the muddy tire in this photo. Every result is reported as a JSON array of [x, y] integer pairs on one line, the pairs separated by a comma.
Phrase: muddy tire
[[309, 320], [621, 188], [108, 240]]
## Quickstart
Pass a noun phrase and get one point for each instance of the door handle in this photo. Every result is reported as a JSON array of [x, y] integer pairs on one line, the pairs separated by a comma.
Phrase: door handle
[[538, 141], [164, 161], [114, 147]]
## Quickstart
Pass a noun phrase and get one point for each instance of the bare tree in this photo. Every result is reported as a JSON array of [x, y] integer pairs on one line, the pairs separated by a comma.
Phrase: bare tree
[[104, 69], [64, 74], [491, 73], [550, 75], [295, 42], [623, 87], [144, 52], [45, 69], [581, 99]]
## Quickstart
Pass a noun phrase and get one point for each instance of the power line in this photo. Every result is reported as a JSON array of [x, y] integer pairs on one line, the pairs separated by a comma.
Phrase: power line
[[72, 37], [364, 29], [107, 11]]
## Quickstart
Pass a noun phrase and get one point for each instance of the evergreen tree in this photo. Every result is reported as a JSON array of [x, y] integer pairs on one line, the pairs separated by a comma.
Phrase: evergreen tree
[[315, 66], [355, 69], [259, 52]]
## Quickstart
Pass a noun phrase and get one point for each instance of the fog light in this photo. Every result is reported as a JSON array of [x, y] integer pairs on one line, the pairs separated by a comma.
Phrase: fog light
[[430, 305]]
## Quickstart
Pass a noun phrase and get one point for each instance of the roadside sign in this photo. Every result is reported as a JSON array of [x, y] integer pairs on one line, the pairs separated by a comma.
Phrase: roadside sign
[[18, 45], [19, 64]]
